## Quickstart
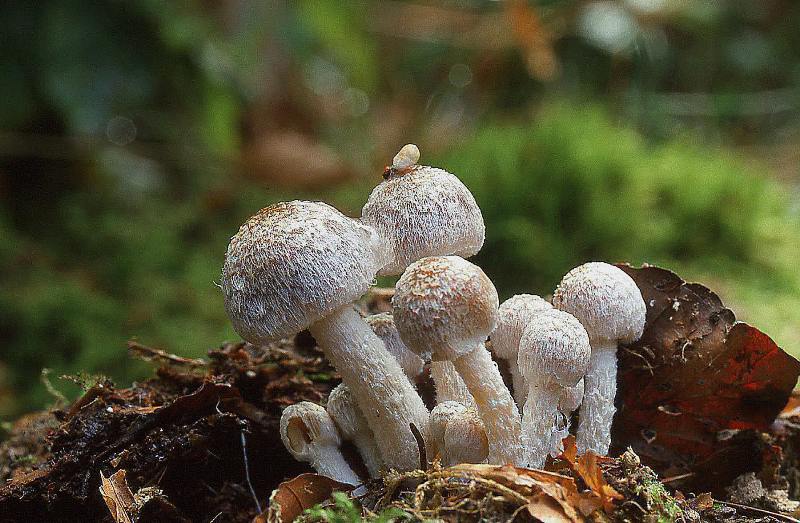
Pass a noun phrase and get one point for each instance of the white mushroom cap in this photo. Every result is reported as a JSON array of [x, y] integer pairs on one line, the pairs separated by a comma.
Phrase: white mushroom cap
[[513, 316], [444, 303], [310, 435], [605, 300], [424, 212], [440, 415], [383, 325], [555, 348], [353, 426], [571, 398], [458, 433], [292, 264]]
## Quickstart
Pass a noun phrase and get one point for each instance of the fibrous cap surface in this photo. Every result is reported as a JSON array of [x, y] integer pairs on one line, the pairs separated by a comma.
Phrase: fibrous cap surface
[[513, 316], [554, 348], [292, 264], [445, 304], [425, 212], [605, 300]]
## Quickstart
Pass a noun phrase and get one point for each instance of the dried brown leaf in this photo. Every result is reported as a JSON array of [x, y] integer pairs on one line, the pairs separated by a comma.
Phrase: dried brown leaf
[[117, 496], [294, 496]]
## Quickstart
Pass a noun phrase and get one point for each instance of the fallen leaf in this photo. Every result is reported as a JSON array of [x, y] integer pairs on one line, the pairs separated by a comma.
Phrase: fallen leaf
[[587, 467], [117, 496], [694, 380], [294, 496]]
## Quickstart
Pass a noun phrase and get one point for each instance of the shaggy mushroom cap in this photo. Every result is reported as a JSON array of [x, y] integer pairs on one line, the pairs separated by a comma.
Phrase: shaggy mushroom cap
[[514, 315], [383, 326], [292, 264], [446, 303], [554, 349], [306, 425], [423, 211], [605, 300]]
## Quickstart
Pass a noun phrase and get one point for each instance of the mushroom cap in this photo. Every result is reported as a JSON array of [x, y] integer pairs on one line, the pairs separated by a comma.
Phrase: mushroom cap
[[425, 212], [305, 426], [294, 263], [513, 316], [441, 415], [605, 300], [465, 438], [555, 348], [343, 409], [444, 304], [383, 326]]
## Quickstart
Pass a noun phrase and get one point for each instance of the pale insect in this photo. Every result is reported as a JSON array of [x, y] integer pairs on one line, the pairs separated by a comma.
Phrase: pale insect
[[404, 161]]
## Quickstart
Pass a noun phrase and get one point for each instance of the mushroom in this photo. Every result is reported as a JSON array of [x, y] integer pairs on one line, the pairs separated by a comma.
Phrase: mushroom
[[449, 384], [513, 316], [301, 265], [458, 434], [449, 306], [383, 326], [553, 355], [422, 211], [310, 435], [610, 306], [353, 427]]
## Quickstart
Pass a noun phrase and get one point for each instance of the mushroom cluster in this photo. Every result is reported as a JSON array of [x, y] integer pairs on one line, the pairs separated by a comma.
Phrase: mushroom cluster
[[302, 265]]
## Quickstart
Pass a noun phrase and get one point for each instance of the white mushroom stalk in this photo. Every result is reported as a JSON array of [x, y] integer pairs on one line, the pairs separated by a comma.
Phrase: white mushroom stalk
[[458, 434], [568, 402], [310, 435], [449, 306], [514, 315], [301, 265], [553, 356], [449, 384], [353, 427], [610, 306], [383, 326]]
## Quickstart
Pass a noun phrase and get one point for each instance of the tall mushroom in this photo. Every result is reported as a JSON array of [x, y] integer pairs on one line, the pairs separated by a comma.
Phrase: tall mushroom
[[353, 427], [449, 306], [514, 315], [554, 354], [302, 264], [425, 211], [610, 306], [383, 326], [309, 434]]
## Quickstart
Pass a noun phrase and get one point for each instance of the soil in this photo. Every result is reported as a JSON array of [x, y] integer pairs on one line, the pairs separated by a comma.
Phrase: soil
[[199, 442]]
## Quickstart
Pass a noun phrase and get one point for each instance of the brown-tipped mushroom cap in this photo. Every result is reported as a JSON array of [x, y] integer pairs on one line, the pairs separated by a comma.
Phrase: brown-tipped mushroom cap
[[444, 303], [383, 326], [424, 212], [555, 348], [605, 300], [292, 264], [514, 315]]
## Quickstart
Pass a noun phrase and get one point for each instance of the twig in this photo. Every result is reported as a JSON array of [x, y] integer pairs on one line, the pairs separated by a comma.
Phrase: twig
[[247, 471], [678, 477], [778, 515], [423, 456]]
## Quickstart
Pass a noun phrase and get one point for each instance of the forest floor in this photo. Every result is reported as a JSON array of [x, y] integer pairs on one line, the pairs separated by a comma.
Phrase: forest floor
[[199, 442]]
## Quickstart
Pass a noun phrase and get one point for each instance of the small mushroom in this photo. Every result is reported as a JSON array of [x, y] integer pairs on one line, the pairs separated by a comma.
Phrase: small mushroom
[[383, 326], [425, 212], [310, 435], [458, 434], [514, 315], [449, 306], [609, 305], [353, 427], [554, 354], [301, 265]]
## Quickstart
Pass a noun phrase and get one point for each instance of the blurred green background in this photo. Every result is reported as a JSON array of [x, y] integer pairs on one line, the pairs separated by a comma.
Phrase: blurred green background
[[136, 136]]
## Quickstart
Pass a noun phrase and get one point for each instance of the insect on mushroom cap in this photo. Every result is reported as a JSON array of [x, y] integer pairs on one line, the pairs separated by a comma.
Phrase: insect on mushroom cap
[[514, 315], [306, 425], [294, 263], [408, 156], [424, 212], [605, 300], [554, 348], [444, 303]]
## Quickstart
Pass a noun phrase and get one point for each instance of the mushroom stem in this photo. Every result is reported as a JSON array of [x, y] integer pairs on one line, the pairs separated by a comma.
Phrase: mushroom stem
[[540, 424], [518, 382], [449, 384], [383, 392], [353, 427], [330, 462], [494, 403], [597, 410]]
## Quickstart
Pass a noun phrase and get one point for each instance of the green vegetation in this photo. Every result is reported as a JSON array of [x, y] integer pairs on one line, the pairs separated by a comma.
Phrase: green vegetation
[[344, 510]]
